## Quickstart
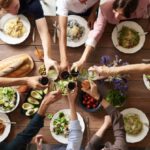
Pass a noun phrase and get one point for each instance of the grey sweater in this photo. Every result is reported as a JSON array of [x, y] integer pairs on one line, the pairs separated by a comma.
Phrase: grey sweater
[[119, 133]]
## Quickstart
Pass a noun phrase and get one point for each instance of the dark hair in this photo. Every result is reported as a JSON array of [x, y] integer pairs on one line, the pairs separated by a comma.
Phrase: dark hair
[[128, 6], [5, 3]]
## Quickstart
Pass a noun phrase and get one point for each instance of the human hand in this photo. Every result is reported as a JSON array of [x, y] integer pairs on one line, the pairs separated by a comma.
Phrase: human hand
[[64, 65], [34, 82], [92, 91], [107, 122], [77, 65], [49, 63], [52, 97], [72, 95], [103, 71], [91, 20], [38, 141]]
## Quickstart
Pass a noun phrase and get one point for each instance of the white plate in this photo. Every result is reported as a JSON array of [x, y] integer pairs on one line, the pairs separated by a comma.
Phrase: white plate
[[139, 137], [146, 82], [132, 25], [11, 40], [84, 37], [61, 138], [17, 103], [6, 132]]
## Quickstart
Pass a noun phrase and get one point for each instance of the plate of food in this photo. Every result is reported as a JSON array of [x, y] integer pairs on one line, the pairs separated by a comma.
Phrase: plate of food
[[136, 125], [146, 79], [77, 31], [128, 37], [14, 29], [9, 99], [5, 126], [59, 125]]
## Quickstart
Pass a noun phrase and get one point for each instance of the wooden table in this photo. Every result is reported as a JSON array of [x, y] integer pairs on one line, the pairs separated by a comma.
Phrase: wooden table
[[138, 95]]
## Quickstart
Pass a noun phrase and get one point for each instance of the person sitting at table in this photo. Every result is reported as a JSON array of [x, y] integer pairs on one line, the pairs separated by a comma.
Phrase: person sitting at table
[[33, 8], [32, 82], [77, 7], [75, 134], [116, 119], [105, 71], [37, 122], [112, 11]]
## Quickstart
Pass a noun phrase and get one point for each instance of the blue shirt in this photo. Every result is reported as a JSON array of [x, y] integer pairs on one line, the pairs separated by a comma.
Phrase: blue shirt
[[31, 7]]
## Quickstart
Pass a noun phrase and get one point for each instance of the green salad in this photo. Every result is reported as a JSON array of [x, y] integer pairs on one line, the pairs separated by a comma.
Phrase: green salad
[[61, 125], [128, 38], [8, 98]]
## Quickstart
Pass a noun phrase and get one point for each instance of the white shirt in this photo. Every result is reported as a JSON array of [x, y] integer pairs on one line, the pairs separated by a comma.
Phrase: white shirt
[[64, 6]]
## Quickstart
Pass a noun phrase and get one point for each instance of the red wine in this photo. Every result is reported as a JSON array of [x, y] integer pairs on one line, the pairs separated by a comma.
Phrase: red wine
[[74, 73], [44, 80], [71, 85], [65, 75]]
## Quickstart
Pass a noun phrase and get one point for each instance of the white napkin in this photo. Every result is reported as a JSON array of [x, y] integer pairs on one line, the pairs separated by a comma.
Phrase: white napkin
[[50, 8]]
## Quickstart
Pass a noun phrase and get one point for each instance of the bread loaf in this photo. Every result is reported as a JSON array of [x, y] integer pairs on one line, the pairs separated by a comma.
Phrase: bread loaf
[[16, 66]]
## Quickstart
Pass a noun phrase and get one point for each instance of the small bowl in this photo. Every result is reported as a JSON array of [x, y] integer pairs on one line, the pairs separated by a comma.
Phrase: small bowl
[[16, 105], [80, 102]]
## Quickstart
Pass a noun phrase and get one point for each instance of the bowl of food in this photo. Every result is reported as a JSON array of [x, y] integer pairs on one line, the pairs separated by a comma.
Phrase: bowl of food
[[128, 37], [77, 31], [5, 126], [59, 125], [136, 125], [9, 99], [88, 103], [14, 28]]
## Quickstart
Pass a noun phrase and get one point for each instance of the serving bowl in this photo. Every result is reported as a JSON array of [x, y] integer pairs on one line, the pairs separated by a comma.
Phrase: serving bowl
[[16, 103], [88, 103]]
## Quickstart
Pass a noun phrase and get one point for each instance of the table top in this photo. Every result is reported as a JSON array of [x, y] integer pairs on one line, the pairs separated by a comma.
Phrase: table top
[[138, 95]]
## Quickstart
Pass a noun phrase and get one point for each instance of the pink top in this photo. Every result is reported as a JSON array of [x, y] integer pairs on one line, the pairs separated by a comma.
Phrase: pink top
[[106, 14]]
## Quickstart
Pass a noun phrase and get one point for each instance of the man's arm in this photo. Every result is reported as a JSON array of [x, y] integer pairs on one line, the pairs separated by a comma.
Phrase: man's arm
[[127, 69], [75, 135], [23, 138], [63, 41], [118, 125], [46, 43], [30, 81]]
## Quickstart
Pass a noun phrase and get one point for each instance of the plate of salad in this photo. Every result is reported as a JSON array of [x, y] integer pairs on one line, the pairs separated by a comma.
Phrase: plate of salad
[[146, 79], [59, 125], [9, 99]]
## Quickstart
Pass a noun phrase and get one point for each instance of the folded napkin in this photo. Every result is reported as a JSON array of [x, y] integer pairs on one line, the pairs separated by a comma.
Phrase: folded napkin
[[49, 7]]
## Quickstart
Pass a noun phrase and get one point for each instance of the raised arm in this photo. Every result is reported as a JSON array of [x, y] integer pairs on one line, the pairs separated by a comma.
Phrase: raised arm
[[93, 38], [23, 138], [63, 41], [131, 69], [46, 43], [75, 135], [30, 81], [117, 124]]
